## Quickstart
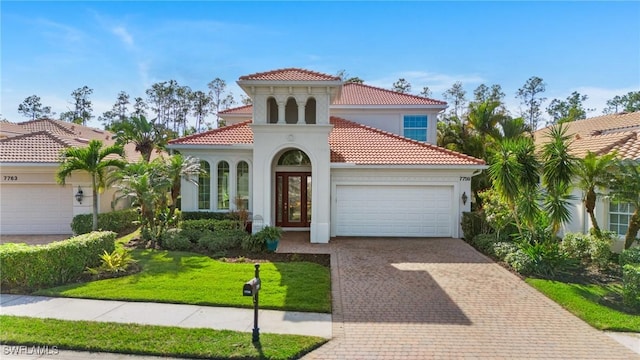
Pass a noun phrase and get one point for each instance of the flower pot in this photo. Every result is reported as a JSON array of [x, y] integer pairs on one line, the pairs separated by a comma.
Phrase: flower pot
[[272, 245]]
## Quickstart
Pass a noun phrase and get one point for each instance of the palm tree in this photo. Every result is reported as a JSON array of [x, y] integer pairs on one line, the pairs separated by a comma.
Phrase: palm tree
[[558, 168], [95, 160], [593, 171], [625, 187], [146, 135], [178, 168]]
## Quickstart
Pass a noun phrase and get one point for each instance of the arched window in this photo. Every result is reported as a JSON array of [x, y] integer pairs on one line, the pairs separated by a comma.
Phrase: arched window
[[291, 111], [242, 185], [223, 185], [272, 111], [204, 186], [294, 157], [310, 111]]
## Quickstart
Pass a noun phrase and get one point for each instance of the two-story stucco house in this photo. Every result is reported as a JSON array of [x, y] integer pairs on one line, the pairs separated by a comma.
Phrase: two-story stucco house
[[337, 159]]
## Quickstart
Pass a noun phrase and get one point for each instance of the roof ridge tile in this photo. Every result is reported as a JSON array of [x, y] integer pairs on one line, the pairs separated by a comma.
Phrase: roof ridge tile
[[271, 72], [440, 102]]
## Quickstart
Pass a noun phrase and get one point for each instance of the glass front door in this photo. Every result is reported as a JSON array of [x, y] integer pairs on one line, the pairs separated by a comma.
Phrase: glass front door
[[293, 199]]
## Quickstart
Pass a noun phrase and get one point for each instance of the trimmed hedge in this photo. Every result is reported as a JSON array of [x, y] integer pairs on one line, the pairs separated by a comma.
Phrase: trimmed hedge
[[201, 215], [28, 267], [631, 285], [210, 225], [120, 221], [630, 256], [222, 240]]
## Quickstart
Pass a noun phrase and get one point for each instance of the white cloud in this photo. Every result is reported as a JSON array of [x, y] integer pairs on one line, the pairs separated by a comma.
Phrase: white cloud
[[124, 35], [436, 82]]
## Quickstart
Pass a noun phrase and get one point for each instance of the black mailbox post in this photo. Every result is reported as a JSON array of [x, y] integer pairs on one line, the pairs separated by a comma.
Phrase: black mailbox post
[[252, 288]]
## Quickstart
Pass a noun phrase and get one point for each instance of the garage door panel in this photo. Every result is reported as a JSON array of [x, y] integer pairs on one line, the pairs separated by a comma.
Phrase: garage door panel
[[35, 209], [366, 210]]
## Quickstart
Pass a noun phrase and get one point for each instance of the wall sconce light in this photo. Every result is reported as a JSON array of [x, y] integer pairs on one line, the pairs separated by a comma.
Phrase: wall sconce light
[[464, 198], [79, 195]]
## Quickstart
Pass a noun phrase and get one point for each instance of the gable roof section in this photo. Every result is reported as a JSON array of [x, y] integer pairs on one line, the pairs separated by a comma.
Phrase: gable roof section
[[36, 147], [290, 74], [349, 142], [361, 94], [241, 110], [602, 135]]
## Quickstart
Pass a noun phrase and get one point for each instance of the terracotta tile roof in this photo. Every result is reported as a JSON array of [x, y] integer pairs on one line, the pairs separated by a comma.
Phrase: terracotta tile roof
[[36, 147], [239, 133], [349, 142], [11, 129], [359, 144], [290, 74], [361, 94], [602, 135], [241, 110], [41, 141]]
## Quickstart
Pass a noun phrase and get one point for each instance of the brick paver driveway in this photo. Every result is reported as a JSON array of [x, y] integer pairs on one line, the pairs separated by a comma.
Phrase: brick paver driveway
[[439, 298]]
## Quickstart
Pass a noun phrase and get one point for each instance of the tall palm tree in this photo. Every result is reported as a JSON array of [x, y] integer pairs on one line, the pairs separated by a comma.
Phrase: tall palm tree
[[178, 168], [94, 159], [593, 171], [146, 135], [625, 187]]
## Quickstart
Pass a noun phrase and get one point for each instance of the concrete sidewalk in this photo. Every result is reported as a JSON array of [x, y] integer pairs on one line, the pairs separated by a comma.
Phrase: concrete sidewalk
[[186, 316]]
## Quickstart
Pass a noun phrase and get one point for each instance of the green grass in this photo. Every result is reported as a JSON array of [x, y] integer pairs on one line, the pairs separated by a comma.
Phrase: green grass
[[583, 301], [151, 340], [188, 278]]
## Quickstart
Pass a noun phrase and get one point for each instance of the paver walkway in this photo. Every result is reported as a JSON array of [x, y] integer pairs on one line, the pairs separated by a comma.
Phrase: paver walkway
[[439, 298]]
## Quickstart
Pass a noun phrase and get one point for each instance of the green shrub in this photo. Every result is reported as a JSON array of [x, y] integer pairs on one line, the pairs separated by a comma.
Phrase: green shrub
[[210, 225], [120, 222], [502, 249], [485, 242], [588, 248], [222, 240], [546, 259], [175, 239], [193, 235], [116, 261], [28, 267], [631, 285], [519, 261], [205, 215], [473, 224], [253, 243], [630, 256]]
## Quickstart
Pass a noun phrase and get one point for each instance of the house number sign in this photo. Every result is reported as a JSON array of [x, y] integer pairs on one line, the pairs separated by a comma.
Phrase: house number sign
[[10, 178], [465, 178]]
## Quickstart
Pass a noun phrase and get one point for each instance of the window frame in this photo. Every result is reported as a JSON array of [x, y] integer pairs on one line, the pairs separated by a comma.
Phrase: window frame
[[222, 186], [414, 128], [617, 213], [246, 202], [204, 183]]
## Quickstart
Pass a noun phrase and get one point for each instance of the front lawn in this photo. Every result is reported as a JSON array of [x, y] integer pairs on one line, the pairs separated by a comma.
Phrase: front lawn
[[151, 340], [588, 302], [189, 278]]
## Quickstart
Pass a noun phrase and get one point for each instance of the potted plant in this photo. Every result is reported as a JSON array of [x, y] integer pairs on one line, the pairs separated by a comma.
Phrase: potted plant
[[270, 235]]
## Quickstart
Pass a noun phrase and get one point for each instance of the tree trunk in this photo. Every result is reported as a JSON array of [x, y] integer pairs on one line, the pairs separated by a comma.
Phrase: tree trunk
[[632, 231], [95, 202], [590, 204]]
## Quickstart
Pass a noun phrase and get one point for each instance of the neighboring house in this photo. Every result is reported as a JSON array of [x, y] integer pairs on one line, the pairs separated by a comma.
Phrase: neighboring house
[[31, 202], [336, 159], [619, 133]]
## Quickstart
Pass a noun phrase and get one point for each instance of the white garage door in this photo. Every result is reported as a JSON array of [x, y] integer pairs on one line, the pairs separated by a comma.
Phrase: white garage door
[[35, 209], [417, 211]]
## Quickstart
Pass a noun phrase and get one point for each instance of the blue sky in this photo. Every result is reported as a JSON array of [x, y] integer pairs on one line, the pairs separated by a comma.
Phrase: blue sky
[[52, 48]]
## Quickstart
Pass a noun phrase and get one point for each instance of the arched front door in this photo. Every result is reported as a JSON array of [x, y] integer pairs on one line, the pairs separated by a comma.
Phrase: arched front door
[[293, 190]]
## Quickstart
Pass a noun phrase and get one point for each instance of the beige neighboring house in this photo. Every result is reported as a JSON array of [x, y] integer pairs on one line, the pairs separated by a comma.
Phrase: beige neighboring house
[[31, 202], [619, 133]]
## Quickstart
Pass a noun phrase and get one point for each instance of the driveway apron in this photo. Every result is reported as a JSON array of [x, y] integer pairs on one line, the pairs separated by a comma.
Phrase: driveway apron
[[439, 298]]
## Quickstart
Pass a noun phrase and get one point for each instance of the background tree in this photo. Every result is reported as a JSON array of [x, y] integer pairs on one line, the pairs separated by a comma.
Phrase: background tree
[[146, 135], [160, 97], [219, 101], [572, 109], [82, 107], [119, 111], [426, 92], [32, 108], [245, 100], [346, 78], [484, 93], [625, 188], [201, 106], [179, 167], [402, 86], [531, 100], [95, 160], [140, 107], [593, 171], [628, 103], [456, 97]]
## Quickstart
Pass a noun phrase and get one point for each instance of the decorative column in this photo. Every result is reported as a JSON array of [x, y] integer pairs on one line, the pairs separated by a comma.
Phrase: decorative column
[[281, 110]]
